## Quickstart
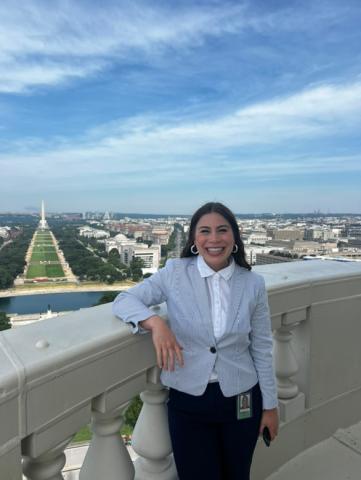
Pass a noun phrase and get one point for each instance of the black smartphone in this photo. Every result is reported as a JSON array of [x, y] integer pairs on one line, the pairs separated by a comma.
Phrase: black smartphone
[[266, 436]]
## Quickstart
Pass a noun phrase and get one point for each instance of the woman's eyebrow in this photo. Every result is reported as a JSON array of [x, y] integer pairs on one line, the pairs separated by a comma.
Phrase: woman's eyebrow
[[218, 226]]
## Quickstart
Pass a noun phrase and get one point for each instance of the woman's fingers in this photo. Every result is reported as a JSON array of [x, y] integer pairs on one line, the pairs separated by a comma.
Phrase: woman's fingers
[[166, 346], [179, 355], [158, 351], [170, 359], [168, 354], [164, 358], [270, 420]]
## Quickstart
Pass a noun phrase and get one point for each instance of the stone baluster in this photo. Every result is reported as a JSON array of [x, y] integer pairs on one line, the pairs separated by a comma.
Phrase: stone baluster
[[151, 440], [47, 466], [107, 457], [285, 362], [292, 402]]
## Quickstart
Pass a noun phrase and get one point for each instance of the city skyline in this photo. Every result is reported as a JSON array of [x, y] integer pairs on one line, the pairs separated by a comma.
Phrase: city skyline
[[147, 107]]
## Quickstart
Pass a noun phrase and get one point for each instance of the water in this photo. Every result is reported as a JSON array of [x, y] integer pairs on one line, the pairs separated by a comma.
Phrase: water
[[58, 302]]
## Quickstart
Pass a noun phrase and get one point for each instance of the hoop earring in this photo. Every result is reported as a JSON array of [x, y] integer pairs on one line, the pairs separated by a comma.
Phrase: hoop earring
[[194, 249], [235, 248]]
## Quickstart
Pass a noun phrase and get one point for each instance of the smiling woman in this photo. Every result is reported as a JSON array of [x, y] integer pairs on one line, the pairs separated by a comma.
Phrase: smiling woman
[[215, 350], [214, 240], [214, 234]]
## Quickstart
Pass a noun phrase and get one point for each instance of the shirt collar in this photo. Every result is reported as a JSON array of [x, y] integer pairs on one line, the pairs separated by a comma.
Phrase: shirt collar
[[206, 271]]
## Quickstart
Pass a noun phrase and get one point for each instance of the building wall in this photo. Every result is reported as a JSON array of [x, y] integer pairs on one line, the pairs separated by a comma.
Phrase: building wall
[[265, 259]]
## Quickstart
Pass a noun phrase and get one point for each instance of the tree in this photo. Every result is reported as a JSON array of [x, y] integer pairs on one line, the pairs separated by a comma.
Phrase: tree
[[6, 280], [132, 412], [106, 298], [4, 321], [136, 266]]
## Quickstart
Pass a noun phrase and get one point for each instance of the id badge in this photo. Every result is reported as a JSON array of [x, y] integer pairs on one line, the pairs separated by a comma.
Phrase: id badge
[[244, 405]]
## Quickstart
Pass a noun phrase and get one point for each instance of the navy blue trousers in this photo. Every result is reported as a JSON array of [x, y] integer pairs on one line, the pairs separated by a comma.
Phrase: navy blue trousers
[[208, 440]]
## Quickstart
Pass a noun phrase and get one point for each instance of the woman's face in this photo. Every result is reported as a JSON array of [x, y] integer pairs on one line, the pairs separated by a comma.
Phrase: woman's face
[[214, 240]]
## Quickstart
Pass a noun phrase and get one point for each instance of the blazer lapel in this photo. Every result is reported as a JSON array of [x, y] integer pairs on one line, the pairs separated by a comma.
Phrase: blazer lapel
[[236, 297], [201, 297]]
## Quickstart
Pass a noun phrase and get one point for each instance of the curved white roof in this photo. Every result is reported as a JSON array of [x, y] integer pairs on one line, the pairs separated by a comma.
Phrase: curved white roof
[[120, 236]]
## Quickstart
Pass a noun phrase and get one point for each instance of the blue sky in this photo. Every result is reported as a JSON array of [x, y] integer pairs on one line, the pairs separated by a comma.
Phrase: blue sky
[[159, 106]]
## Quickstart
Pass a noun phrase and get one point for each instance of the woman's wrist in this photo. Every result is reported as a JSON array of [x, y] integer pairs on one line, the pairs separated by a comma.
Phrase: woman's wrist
[[151, 322]]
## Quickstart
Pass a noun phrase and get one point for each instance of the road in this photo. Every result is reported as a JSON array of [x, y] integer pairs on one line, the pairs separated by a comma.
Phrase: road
[[176, 252], [5, 243]]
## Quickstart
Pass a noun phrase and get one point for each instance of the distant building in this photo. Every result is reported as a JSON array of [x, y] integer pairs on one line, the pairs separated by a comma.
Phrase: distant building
[[149, 255], [5, 232], [117, 243], [90, 232], [352, 230], [266, 259], [259, 238], [129, 248], [354, 242], [285, 234], [318, 234], [252, 251], [305, 247], [159, 235]]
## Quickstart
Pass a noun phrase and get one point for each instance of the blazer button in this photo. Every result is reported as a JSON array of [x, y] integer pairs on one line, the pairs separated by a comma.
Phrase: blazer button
[[213, 349]]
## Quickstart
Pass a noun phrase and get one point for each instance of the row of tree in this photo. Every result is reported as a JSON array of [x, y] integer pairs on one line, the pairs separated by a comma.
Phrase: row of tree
[[89, 261], [85, 264], [12, 257], [4, 321]]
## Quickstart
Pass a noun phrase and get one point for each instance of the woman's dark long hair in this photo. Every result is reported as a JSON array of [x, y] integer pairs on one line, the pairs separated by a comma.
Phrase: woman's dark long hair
[[215, 207]]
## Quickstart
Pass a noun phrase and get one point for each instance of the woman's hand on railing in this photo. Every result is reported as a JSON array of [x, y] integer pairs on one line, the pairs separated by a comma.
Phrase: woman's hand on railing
[[165, 343]]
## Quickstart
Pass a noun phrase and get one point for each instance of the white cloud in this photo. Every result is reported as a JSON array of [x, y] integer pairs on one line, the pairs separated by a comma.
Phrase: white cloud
[[219, 148], [44, 46], [320, 111], [47, 44]]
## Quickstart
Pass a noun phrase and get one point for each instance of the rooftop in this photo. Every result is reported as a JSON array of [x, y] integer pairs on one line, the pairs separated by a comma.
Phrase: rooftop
[[58, 374]]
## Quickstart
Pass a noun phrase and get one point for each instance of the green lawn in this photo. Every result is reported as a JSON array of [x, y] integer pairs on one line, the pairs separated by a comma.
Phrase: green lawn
[[54, 271], [43, 238], [44, 251], [43, 270], [85, 434], [39, 256], [36, 270]]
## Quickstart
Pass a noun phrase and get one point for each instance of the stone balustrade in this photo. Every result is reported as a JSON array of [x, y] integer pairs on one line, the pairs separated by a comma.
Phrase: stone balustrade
[[63, 373]]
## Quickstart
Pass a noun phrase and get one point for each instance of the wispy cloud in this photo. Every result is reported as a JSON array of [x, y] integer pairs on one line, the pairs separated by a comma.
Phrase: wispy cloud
[[215, 148], [117, 93], [46, 46], [43, 45]]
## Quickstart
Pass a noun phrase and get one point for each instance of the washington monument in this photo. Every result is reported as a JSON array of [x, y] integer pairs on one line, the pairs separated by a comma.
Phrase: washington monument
[[43, 224]]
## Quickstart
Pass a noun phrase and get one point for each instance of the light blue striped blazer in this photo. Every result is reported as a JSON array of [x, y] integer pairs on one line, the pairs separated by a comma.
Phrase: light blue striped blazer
[[244, 352]]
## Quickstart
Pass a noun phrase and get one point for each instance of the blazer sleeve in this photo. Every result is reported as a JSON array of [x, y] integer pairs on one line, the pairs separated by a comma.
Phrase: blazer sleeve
[[132, 306], [261, 348]]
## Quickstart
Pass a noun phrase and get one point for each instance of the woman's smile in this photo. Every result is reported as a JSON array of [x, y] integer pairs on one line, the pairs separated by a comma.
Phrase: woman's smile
[[214, 240]]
